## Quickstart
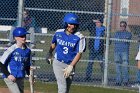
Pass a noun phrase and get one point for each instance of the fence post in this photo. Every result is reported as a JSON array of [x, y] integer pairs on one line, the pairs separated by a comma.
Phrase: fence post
[[10, 34], [20, 12], [107, 41], [32, 37]]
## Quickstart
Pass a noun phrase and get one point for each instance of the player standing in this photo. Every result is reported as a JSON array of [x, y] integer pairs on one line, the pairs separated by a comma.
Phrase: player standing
[[69, 45], [15, 62]]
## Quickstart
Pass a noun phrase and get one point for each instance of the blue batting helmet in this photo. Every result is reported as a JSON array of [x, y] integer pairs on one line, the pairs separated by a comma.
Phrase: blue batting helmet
[[19, 31], [71, 18]]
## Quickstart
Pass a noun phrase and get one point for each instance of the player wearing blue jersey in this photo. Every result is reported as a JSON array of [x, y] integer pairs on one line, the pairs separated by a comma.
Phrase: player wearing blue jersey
[[15, 62], [69, 45]]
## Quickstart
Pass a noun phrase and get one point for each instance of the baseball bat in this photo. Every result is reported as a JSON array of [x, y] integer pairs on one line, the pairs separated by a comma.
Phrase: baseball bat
[[32, 80]]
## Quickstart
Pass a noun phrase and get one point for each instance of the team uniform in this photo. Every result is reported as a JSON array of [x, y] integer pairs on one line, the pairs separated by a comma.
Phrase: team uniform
[[68, 44], [15, 62], [67, 48]]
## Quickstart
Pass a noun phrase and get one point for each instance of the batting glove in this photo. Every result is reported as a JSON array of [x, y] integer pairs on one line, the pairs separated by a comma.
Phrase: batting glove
[[49, 58], [67, 71]]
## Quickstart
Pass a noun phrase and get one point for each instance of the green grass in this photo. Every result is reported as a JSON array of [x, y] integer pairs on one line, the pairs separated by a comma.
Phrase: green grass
[[52, 88]]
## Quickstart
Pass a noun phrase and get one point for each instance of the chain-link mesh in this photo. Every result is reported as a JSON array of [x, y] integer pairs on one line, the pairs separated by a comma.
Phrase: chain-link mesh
[[125, 46], [47, 17]]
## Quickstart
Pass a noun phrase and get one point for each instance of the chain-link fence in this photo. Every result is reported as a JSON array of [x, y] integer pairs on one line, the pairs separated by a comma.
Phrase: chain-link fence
[[97, 67]]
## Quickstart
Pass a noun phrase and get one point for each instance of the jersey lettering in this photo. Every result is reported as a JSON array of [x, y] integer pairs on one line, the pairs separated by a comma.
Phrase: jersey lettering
[[65, 43]]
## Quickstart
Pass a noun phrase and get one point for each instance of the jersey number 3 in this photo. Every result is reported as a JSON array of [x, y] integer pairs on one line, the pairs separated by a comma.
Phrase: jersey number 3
[[65, 50]]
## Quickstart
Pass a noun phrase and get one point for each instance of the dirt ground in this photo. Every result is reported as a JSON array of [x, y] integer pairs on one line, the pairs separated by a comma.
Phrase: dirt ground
[[5, 90]]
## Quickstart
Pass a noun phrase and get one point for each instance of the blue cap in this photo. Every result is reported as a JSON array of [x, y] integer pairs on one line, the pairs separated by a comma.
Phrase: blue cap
[[19, 31]]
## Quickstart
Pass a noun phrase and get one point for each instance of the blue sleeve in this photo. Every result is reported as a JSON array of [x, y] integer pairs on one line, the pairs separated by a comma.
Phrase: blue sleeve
[[54, 40], [77, 47]]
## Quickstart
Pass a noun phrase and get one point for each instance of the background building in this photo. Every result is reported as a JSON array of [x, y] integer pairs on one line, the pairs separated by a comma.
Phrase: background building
[[127, 10]]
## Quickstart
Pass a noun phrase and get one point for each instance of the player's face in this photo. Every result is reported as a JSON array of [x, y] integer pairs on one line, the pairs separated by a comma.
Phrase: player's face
[[71, 28], [21, 39], [98, 24]]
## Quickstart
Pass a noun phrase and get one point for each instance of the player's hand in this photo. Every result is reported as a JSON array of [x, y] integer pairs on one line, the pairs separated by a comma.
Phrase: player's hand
[[12, 78], [67, 71], [49, 58]]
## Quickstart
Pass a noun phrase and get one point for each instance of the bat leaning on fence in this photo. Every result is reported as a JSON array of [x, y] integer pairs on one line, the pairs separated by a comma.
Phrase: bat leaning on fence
[[32, 78]]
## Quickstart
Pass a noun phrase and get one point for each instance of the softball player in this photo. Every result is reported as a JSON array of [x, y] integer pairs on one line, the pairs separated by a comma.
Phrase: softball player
[[15, 62], [69, 45]]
